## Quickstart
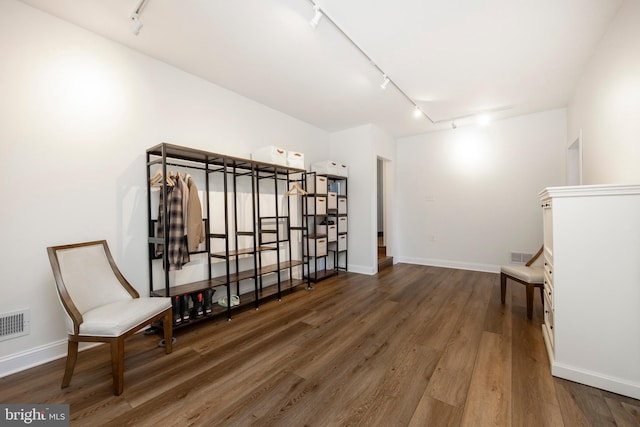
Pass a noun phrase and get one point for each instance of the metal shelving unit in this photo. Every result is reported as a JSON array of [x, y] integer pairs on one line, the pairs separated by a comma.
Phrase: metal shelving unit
[[238, 243], [326, 233]]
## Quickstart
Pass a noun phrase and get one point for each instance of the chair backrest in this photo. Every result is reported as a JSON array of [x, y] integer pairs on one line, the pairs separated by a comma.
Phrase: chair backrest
[[87, 277]]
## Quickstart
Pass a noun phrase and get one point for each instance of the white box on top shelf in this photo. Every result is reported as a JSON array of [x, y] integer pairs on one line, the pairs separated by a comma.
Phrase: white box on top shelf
[[342, 205], [340, 245], [342, 170], [270, 154], [316, 184], [295, 160], [325, 167], [317, 205], [332, 200]]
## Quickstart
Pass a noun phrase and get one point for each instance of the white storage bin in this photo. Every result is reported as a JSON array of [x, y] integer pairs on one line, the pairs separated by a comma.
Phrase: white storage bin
[[317, 247], [340, 245], [317, 205], [326, 167], [330, 230], [316, 184], [343, 170], [332, 200], [295, 160], [342, 205], [341, 223], [270, 154]]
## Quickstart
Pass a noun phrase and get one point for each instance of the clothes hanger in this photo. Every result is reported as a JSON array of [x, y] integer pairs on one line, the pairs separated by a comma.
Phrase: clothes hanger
[[156, 179], [296, 190]]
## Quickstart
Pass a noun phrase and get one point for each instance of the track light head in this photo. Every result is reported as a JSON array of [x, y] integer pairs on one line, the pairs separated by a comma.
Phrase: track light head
[[385, 82], [417, 112], [453, 125], [136, 24], [316, 18]]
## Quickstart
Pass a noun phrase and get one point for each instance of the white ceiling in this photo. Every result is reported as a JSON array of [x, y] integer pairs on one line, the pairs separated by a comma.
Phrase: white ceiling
[[452, 57]]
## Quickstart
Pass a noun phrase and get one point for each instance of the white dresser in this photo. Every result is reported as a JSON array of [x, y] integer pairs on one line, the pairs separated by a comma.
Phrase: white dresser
[[592, 285]]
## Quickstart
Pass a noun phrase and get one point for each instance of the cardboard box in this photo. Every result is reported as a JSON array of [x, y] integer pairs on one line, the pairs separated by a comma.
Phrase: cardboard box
[[325, 167], [270, 154], [340, 245], [295, 160], [317, 247], [317, 205], [316, 184]]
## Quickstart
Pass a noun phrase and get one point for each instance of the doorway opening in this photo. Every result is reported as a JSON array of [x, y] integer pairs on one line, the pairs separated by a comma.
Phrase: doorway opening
[[384, 260]]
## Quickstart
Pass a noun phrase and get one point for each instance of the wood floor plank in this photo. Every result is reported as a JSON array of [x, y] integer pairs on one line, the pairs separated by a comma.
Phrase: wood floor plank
[[450, 382], [413, 345], [534, 399], [400, 390], [489, 400], [582, 405], [624, 413], [432, 412]]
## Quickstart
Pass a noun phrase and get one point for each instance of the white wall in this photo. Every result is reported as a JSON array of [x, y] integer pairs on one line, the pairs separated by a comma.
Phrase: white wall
[[606, 104], [359, 148], [77, 113], [467, 197]]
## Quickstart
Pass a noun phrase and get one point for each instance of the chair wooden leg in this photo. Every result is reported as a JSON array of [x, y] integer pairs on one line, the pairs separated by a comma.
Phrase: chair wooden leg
[[167, 326], [503, 286], [529, 287], [542, 300], [117, 365], [72, 356]]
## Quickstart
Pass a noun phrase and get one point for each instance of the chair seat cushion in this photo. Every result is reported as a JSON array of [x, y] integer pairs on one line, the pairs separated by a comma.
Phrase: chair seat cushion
[[113, 320], [533, 274]]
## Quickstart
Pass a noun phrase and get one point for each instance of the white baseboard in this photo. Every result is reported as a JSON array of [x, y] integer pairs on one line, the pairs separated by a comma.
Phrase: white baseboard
[[598, 380], [363, 269], [487, 268], [23, 360]]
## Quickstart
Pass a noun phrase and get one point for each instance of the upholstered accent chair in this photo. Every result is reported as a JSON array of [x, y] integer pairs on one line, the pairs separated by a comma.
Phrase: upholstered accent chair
[[532, 276], [100, 304]]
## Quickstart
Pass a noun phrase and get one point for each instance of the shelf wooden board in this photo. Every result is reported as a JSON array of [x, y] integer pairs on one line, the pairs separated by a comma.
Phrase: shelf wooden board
[[321, 275], [249, 274], [213, 159], [188, 288], [247, 301], [244, 251], [201, 285]]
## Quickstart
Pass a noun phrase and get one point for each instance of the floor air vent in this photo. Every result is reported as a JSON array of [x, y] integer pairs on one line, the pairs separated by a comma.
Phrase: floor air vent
[[14, 324]]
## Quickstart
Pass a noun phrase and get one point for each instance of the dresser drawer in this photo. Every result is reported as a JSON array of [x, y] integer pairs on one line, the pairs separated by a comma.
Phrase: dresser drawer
[[548, 289], [548, 267], [548, 319]]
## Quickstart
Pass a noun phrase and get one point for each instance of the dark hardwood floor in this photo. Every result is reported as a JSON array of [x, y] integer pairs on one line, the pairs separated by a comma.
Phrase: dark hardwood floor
[[410, 346]]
